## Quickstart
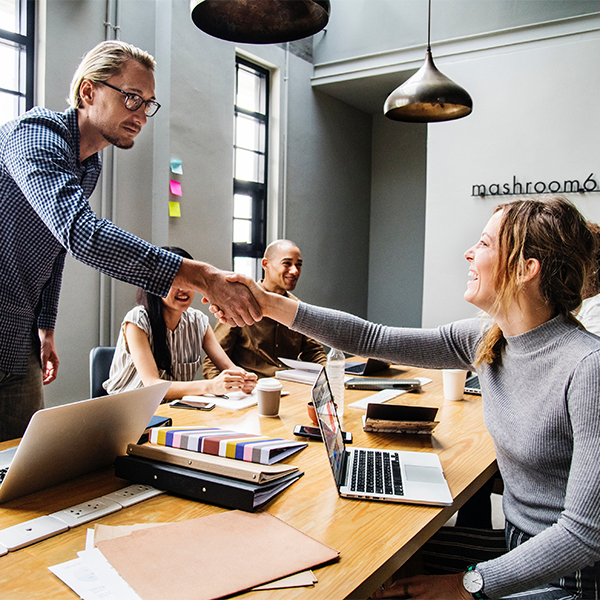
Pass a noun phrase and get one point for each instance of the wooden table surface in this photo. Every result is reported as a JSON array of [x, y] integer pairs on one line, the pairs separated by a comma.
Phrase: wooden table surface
[[374, 538]]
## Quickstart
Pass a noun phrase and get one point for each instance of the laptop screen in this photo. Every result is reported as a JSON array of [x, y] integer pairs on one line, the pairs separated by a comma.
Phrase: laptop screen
[[329, 424]]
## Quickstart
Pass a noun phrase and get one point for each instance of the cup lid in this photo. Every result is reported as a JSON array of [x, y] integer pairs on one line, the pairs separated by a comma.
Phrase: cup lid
[[269, 384]]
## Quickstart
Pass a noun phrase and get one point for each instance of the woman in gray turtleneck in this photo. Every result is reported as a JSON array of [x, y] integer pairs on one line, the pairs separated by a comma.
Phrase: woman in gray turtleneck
[[540, 378]]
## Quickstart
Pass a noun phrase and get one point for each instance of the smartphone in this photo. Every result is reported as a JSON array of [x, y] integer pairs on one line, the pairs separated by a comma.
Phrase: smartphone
[[195, 406], [314, 433]]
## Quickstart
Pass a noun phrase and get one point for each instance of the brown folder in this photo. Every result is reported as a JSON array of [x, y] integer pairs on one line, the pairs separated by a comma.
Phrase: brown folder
[[219, 465], [213, 556]]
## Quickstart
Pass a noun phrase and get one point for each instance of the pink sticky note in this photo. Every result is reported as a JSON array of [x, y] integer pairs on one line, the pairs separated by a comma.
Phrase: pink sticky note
[[175, 187]]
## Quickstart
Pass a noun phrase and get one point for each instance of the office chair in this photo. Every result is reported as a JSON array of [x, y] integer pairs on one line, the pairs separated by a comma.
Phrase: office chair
[[100, 361]]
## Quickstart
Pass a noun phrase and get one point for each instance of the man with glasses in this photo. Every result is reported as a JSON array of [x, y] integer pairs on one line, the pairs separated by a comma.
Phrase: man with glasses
[[49, 166]]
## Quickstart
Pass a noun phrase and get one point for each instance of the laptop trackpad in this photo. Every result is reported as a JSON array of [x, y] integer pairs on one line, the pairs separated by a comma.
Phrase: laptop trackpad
[[421, 474]]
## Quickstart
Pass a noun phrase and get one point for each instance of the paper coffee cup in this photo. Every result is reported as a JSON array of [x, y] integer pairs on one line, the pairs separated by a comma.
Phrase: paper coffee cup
[[268, 393], [454, 383]]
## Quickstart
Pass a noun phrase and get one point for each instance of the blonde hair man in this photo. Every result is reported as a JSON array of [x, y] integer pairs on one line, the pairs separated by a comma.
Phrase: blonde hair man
[[49, 166]]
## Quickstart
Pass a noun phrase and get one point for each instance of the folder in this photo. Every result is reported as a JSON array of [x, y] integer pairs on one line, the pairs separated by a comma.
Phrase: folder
[[249, 447], [213, 556], [198, 485], [246, 471]]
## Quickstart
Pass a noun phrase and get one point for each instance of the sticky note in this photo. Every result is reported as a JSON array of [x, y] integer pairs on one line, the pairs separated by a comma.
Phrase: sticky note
[[174, 209], [175, 187], [176, 166]]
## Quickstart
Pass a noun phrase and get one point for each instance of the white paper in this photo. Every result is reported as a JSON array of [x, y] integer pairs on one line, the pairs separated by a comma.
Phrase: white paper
[[234, 400], [82, 580], [383, 396]]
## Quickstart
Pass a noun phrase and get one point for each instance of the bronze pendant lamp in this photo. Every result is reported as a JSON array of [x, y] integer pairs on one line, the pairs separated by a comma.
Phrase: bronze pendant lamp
[[260, 21], [428, 96]]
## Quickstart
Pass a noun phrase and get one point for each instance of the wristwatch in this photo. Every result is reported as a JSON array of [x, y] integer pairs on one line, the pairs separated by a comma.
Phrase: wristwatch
[[473, 583]]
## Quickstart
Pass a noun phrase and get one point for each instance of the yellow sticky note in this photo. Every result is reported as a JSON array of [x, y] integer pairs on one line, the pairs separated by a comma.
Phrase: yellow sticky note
[[174, 209]]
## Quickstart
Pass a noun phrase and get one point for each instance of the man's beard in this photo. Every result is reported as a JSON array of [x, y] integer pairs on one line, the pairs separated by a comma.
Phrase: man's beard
[[116, 141]]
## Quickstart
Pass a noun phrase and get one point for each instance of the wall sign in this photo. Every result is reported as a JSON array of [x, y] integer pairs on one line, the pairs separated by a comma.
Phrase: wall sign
[[516, 188]]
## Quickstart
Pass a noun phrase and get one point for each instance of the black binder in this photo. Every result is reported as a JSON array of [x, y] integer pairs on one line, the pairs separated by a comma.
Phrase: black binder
[[202, 486]]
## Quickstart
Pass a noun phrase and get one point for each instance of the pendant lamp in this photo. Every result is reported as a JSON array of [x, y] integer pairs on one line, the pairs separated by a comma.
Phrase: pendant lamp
[[260, 21], [428, 96]]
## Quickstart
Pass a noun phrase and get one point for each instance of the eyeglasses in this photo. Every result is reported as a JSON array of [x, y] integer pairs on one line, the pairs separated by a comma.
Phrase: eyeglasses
[[133, 101]]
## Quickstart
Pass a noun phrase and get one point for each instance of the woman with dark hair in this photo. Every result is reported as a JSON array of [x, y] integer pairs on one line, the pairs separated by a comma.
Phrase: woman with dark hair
[[540, 379], [161, 339]]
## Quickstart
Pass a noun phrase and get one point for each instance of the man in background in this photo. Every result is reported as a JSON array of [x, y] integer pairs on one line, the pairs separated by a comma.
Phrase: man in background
[[49, 167], [257, 347]]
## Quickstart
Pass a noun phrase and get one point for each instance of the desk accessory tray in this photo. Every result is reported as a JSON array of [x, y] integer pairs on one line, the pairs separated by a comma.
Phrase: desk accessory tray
[[198, 485], [394, 418]]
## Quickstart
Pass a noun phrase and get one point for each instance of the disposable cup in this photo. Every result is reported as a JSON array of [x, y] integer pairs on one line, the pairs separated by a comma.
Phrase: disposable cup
[[268, 393], [454, 383]]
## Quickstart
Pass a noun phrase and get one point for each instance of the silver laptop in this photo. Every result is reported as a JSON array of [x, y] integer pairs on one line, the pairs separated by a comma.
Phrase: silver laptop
[[66, 441], [373, 474]]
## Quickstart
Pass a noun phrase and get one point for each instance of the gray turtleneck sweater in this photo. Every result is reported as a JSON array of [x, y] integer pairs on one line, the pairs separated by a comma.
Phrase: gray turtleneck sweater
[[542, 409]]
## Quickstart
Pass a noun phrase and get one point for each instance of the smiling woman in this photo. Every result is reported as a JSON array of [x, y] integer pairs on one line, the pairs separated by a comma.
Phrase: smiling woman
[[540, 375], [162, 339]]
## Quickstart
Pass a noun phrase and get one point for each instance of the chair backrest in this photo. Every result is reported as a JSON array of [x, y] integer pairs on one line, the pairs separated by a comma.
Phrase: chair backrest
[[100, 361]]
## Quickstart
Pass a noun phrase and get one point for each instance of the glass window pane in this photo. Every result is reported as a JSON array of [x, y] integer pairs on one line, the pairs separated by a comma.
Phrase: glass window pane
[[250, 92], [242, 231], [246, 266], [10, 107], [10, 55], [242, 206], [9, 15], [249, 133], [249, 166]]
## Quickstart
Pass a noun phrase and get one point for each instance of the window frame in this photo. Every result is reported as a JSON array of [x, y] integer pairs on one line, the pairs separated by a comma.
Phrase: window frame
[[257, 190]]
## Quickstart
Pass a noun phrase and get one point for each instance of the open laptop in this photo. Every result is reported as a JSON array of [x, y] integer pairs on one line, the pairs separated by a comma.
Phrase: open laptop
[[395, 475], [373, 365], [66, 441]]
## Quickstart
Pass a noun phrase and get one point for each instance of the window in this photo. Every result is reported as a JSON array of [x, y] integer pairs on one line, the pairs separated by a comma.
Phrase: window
[[250, 167], [16, 57]]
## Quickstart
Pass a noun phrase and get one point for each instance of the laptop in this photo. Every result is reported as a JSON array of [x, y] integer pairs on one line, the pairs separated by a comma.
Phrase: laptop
[[377, 474], [373, 365], [66, 441], [472, 385]]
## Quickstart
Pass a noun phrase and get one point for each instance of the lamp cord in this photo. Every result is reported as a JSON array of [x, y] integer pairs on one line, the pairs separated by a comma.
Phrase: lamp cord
[[429, 28]]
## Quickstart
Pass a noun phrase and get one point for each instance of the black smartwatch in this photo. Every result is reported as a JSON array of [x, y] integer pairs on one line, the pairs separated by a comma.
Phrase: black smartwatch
[[473, 583]]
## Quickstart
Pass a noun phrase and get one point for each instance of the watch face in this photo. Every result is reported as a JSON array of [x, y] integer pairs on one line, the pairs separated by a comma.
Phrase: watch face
[[473, 582]]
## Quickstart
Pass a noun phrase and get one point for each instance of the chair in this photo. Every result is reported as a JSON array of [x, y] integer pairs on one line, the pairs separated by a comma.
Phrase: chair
[[100, 361]]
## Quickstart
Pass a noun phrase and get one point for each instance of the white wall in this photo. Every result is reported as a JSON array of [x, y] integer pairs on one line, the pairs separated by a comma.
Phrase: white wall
[[535, 117]]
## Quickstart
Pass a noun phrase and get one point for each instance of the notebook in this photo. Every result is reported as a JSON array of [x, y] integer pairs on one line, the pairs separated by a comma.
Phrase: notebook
[[415, 477], [366, 368], [66, 441]]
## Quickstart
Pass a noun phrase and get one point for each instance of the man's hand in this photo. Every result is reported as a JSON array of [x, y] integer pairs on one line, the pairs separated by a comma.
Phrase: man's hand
[[237, 305], [257, 292], [48, 355]]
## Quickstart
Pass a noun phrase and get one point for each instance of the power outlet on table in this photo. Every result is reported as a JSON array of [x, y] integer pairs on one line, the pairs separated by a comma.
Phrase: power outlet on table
[[29, 532], [133, 494], [87, 511]]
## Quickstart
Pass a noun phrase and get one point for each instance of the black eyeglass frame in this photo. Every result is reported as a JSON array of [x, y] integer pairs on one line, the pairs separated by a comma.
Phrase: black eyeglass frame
[[151, 106]]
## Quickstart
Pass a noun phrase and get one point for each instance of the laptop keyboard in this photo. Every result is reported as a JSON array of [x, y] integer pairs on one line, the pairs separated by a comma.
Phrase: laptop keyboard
[[355, 369], [3, 473], [376, 472]]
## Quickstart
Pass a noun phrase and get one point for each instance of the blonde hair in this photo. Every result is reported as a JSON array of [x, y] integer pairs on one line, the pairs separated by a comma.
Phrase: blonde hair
[[551, 230], [102, 62]]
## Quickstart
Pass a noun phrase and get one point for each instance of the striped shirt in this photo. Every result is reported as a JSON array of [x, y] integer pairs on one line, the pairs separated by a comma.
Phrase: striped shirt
[[44, 191], [184, 343]]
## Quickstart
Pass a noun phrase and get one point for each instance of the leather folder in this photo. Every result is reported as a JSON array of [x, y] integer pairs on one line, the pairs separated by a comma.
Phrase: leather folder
[[202, 486], [228, 467]]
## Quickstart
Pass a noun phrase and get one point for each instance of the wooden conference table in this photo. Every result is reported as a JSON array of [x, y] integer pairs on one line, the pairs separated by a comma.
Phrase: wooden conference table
[[374, 538]]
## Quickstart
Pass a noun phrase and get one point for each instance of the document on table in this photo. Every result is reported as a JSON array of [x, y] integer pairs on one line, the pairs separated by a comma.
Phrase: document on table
[[383, 396]]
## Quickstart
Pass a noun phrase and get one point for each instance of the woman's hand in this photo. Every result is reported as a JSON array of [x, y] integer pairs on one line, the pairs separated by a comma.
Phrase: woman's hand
[[250, 380], [426, 587], [258, 293], [229, 380]]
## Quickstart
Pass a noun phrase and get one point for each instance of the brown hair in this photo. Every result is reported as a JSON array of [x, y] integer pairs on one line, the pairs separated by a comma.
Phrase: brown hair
[[592, 282], [551, 230]]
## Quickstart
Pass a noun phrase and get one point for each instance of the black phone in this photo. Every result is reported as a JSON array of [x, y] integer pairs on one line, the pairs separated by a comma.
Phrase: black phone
[[314, 433], [194, 406]]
